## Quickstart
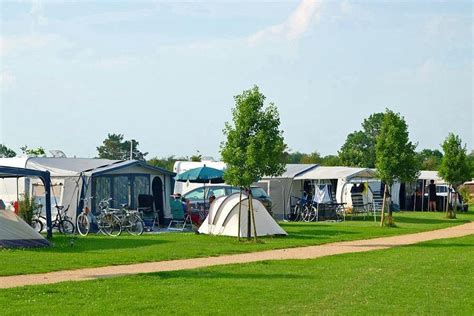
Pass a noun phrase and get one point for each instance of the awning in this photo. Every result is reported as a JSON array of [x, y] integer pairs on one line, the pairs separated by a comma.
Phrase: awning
[[346, 173]]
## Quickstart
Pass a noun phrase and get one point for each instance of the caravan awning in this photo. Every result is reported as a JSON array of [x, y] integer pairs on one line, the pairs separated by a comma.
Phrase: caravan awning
[[328, 173], [430, 175]]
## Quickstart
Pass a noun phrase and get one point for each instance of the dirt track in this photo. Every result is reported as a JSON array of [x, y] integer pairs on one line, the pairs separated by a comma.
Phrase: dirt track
[[281, 254]]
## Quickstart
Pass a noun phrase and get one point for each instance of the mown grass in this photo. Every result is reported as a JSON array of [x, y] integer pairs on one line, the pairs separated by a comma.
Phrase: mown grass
[[431, 278], [97, 250]]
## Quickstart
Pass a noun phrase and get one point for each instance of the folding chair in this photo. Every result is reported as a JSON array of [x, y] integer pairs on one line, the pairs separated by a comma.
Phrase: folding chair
[[146, 208], [358, 205], [377, 204], [179, 218]]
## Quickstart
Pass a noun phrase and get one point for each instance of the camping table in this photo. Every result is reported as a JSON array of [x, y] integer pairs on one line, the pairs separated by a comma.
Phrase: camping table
[[329, 210]]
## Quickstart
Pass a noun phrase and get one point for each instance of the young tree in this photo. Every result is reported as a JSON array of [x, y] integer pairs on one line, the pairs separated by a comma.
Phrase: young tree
[[396, 157], [454, 169], [359, 148], [6, 152], [254, 146], [114, 147]]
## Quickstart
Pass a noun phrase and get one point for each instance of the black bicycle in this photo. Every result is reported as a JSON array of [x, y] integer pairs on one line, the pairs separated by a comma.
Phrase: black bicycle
[[62, 221]]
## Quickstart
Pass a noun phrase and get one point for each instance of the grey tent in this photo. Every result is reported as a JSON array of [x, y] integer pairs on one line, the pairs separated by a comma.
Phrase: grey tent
[[14, 232]]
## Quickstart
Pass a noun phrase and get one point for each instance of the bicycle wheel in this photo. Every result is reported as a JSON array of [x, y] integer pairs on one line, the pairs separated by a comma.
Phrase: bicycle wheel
[[112, 225], [296, 212], [37, 225], [310, 214], [66, 227], [136, 225], [82, 224]]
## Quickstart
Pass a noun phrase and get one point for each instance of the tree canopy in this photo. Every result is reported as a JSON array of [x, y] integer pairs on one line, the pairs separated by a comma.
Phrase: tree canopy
[[359, 148], [37, 152], [430, 159], [6, 152], [114, 147], [454, 168], [254, 146], [396, 157]]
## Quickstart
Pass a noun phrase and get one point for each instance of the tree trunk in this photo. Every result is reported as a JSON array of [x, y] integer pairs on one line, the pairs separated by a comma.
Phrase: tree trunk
[[253, 217], [249, 223], [240, 213], [382, 216], [390, 209]]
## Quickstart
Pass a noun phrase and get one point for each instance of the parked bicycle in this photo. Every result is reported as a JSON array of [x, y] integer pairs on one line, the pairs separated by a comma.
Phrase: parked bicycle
[[36, 222], [83, 220], [62, 221], [130, 220]]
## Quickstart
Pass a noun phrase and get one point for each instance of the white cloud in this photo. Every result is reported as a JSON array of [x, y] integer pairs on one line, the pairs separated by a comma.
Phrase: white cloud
[[297, 23]]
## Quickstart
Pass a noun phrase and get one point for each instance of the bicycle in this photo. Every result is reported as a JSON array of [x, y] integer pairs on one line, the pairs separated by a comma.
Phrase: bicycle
[[130, 220], [36, 223], [62, 221], [107, 221], [83, 222]]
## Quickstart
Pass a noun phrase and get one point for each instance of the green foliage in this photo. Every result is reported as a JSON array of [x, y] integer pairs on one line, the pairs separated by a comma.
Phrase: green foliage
[[396, 157], [312, 158], [470, 162], [430, 159], [36, 152], [255, 144], [359, 148], [27, 208], [165, 163], [454, 168], [115, 148], [196, 157], [6, 152]]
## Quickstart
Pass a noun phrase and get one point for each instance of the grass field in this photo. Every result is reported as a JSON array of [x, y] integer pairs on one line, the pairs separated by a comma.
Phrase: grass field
[[435, 277], [94, 251]]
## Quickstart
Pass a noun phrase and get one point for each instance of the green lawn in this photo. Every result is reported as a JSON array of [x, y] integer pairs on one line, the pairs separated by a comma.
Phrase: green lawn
[[94, 251], [435, 277]]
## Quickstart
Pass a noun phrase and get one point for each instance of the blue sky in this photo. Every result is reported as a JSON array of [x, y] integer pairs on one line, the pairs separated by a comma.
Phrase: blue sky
[[165, 73]]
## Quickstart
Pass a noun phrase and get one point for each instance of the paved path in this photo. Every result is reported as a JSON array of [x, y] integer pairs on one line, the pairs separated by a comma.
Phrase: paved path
[[308, 252]]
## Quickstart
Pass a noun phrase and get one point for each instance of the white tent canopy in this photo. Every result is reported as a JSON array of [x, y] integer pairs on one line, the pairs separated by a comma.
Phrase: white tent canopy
[[14, 232], [431, 175], [345, 173], [223, 218]]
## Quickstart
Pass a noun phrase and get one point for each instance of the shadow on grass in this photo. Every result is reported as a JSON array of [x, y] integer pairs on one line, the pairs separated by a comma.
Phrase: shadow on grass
[[208, 275], [64, 244], [414, 220]]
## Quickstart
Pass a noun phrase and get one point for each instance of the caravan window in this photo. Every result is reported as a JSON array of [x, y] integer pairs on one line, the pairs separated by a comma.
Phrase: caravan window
[[120, 191], [141, 185], [101, 190]]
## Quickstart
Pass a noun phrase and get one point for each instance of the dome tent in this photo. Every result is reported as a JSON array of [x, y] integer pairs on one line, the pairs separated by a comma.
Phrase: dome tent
[[223, 218]]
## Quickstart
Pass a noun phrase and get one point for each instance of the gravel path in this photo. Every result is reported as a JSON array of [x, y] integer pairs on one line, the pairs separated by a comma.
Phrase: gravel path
[[308, 252]]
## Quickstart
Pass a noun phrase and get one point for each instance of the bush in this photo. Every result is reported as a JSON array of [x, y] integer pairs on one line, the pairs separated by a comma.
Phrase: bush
[[465, 194], [27, 208]]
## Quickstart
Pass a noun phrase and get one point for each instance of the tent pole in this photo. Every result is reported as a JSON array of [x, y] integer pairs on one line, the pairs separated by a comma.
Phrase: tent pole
[[240, 212], [423, 195], [17, 192], [414, 198]]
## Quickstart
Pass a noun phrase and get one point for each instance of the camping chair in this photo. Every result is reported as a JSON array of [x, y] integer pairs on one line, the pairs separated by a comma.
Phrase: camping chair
[[149, 214], [377, 204], [179, 218], [358, 205]]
